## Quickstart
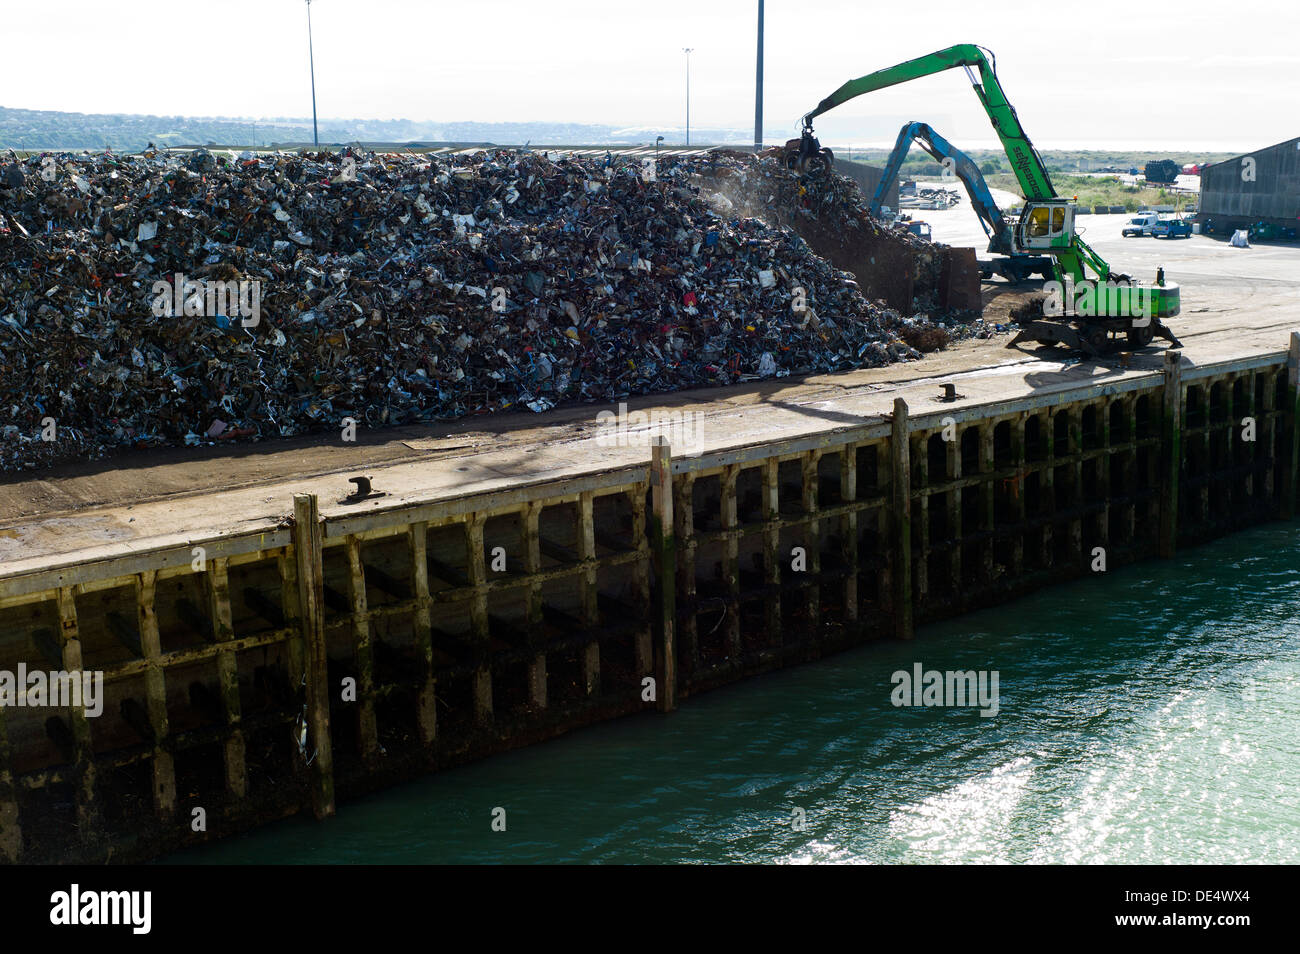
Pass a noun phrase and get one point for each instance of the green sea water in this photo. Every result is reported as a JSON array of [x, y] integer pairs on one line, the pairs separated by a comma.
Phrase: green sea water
[[1146, 715]]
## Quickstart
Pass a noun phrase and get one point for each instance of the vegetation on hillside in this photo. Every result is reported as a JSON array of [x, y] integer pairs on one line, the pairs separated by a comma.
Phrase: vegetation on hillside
[[1092, 191], [34, 130], [1063, 161]]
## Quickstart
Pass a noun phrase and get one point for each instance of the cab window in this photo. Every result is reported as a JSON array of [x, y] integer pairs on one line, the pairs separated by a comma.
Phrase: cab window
[[1038, 219]]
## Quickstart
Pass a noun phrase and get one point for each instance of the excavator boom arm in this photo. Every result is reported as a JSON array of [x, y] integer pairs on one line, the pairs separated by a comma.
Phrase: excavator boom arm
[[995, 226], [1027, 165]]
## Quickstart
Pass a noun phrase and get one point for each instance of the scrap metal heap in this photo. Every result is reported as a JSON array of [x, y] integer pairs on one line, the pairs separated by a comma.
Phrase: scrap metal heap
[[830, 212], [397, 289]]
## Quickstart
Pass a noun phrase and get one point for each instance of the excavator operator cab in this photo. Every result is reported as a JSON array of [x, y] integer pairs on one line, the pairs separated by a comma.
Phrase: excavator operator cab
[[1046, 225]]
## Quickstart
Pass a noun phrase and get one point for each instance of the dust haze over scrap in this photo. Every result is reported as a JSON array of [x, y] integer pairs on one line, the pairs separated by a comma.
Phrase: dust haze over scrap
[[587, 71]]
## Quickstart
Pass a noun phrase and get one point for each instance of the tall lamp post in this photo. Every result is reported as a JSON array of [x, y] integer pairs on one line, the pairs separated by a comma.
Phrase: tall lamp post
[[758, 86], [311, 58], [687, 50]]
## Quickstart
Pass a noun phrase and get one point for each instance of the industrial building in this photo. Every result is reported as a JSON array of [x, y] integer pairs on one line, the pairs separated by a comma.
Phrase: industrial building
[[1258, 188]]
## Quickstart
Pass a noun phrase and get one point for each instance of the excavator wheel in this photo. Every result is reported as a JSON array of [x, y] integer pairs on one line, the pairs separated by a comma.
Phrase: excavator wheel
[[1141, 337], [1095, 341]]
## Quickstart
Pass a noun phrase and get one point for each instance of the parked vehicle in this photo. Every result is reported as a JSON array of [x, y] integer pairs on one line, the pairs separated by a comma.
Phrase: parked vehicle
[[1140, 224], [920, 229], [1271, 232], [1171, 228]]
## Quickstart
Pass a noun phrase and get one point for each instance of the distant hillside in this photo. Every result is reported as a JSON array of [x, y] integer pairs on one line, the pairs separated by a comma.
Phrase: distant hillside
[[34, 129], [994, 161]]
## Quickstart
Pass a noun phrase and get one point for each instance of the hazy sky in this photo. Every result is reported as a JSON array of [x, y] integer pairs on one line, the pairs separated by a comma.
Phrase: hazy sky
[[1192, 73]]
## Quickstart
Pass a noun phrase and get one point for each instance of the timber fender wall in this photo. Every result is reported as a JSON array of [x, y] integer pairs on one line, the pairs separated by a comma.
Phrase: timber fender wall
[[321, 658]]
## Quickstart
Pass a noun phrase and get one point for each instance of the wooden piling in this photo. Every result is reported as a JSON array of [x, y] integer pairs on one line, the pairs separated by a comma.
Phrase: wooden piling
[[219, 612], [295, 645], [164, 771], [665, 559], [1073, 467], [1129, 468], [988, 503], [1292, 429], [82, 749], [643, 648], [530, 522], [426, 715], [812, 536], [952, 454], [476, 570], [849, 532], [919, 458], [590, 594], [772, 557], [1019, 457], [1268, 435], [309, 561], [686, 635], [1101, 464], [1049, 492], [731, 558], [901, 524], [363, 653], [1171, 452], [11, 835]]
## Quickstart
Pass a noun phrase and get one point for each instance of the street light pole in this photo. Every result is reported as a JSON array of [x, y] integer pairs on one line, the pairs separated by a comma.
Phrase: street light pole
[[687, 50], [311, 58], [758, 86]]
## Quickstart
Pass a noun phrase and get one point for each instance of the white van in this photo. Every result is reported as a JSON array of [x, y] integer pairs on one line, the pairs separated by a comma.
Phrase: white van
[[1141, 224]]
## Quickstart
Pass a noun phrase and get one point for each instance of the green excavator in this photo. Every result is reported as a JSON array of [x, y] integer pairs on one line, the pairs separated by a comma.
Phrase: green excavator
[[1090, 308]]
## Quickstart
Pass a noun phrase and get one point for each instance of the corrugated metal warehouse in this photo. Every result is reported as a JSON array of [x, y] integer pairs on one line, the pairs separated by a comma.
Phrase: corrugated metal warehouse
[[1273, 194]]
